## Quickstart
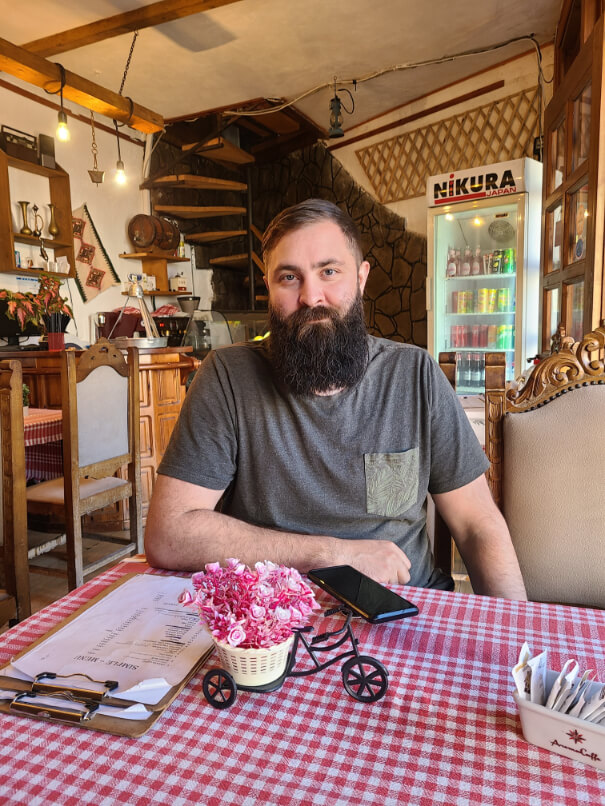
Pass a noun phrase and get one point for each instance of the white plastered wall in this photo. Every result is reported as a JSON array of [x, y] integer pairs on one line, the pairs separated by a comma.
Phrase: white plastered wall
[[518, 74]]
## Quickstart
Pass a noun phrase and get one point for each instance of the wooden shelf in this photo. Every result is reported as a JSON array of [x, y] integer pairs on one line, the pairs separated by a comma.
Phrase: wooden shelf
[[180, 211], [153, 256], [160, 294], [216, 236], [157, 266], [194, 182], [49, 243], [59, 195], [221, 150], [236, 261]]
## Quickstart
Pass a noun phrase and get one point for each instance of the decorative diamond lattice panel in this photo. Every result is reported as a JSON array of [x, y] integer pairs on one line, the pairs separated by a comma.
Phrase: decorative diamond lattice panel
[[503, 130]]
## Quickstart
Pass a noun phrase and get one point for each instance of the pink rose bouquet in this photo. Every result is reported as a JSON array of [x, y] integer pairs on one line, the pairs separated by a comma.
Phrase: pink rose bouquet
[[251, 609]]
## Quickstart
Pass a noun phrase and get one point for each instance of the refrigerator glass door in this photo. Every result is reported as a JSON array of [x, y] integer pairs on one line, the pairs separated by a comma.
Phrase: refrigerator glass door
[[478, 265]]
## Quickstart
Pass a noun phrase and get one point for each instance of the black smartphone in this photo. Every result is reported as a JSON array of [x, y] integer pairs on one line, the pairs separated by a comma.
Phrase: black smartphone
[[367, 598]]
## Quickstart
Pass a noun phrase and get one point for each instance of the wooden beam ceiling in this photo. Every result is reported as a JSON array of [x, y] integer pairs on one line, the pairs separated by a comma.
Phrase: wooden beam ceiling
[[142, 17], [35, 70]]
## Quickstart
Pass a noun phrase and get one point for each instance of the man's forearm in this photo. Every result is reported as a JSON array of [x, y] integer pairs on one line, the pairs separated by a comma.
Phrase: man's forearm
[[194, 538], [490, 560], [483, 540]]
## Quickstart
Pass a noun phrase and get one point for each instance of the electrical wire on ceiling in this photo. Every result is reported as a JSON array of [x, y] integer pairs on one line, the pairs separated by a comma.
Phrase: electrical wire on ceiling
[[393, 69]]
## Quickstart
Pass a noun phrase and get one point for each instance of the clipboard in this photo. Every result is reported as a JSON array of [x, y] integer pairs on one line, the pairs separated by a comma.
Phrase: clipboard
[[62, 713]]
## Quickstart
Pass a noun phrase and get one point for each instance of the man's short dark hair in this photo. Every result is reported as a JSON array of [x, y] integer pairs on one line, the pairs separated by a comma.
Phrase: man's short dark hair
[[311, 211]]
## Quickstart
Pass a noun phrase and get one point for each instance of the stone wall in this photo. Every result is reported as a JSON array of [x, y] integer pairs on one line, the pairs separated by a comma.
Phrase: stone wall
[[395, 296]]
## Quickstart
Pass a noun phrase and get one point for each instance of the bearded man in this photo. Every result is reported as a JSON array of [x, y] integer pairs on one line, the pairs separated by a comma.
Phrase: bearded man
[[322, 442]]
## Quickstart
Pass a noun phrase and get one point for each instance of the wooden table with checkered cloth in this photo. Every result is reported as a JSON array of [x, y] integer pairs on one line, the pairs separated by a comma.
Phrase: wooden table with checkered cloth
[[446, 732], [43, 444]]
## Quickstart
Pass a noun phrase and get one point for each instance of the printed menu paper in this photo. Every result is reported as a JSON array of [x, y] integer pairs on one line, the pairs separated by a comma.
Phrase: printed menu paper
[[138, 635]]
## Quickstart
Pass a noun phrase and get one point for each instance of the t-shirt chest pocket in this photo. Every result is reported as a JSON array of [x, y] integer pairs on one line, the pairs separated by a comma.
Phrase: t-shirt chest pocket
[[391, 482]]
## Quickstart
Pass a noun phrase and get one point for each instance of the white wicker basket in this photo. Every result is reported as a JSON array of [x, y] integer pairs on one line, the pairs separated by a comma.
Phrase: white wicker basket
[[254, 667]]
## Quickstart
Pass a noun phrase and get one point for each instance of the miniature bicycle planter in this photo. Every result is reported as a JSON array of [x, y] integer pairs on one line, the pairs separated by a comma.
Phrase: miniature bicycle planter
[[364, 678]]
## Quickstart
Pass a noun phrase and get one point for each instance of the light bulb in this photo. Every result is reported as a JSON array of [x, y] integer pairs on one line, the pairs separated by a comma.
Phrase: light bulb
[[120, 173], [62, 130]]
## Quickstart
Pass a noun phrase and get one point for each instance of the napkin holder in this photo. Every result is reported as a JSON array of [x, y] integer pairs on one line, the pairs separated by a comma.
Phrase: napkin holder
[[560, 733]]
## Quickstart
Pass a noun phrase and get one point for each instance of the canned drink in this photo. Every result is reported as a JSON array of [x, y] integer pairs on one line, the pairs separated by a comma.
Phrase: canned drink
[[492, 300], [492, 336], [503, 303], [510, 261], [502, 338], [454, 303], [475, 335], [482, 300], [483, 335], [496, 262]]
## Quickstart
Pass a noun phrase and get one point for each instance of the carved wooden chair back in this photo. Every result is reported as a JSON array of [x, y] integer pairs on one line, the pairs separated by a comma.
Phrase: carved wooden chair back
[[546, 445], [101, 438], [14, 593]]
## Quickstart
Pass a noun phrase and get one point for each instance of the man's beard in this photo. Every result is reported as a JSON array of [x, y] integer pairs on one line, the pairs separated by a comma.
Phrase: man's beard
[[311, 356]]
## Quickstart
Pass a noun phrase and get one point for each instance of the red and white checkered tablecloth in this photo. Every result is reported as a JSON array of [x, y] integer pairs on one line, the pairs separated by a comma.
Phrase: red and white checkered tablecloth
[[43, 446], [446, 732]]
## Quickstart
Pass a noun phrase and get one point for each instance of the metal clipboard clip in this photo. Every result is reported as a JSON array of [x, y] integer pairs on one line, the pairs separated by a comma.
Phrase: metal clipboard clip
[[80, 694], [48, 711]]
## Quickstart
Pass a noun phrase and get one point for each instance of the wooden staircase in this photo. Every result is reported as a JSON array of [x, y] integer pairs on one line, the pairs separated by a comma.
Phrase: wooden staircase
[[245, 261]]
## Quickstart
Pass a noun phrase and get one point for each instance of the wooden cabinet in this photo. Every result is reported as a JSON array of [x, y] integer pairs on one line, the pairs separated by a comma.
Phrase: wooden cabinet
[[57, 193], [574, 180], [163, 373]]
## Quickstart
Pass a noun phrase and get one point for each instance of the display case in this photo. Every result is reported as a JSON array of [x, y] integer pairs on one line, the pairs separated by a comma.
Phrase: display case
[[483, 267], [571, 283]]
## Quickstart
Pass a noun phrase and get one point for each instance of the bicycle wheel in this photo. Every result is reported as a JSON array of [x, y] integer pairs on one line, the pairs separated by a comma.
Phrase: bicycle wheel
[[219, 688], [365, 678]]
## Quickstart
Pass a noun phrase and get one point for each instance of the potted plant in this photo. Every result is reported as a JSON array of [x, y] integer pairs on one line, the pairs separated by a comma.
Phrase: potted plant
[[251, 614], [25, 390], [46, 308]]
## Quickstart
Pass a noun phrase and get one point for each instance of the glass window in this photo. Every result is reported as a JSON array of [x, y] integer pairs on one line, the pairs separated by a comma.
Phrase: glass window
[[557, 157], [575, 310], [581, 127], [552, 314], [578, 213], [554, 234]]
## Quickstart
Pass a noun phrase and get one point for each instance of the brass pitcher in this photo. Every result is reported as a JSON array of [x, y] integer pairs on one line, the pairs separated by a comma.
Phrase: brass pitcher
[[25, 230], [53, 229]]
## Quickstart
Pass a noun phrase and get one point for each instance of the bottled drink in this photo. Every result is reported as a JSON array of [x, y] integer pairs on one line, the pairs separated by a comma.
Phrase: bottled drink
[[476, 265], [465, 370], [476, 371], [451, 263], [465, 268]]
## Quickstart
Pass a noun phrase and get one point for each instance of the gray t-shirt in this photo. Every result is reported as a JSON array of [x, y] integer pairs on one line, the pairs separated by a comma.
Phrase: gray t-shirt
[[357, 464]]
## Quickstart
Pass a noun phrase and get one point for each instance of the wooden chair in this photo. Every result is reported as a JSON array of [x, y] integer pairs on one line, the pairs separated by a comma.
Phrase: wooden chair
[[547, 468], [14, 595], [101, 422]]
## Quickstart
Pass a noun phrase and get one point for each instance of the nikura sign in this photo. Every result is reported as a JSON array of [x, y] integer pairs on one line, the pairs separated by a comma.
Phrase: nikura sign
[[500, 179]]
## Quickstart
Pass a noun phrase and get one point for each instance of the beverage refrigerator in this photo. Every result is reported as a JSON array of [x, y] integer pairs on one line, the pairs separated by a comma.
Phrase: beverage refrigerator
[[483, 266]]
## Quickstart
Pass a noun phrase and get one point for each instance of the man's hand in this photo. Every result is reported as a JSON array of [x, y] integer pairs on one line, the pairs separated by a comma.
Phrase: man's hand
[[381, 560]]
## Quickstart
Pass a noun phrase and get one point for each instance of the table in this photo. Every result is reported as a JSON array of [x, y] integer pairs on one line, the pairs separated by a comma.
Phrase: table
[[447, 730], [43, 444]]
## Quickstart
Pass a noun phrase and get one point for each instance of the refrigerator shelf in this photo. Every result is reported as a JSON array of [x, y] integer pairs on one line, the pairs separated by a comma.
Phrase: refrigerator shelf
[[482, 349], [478, 313], [497, 276]]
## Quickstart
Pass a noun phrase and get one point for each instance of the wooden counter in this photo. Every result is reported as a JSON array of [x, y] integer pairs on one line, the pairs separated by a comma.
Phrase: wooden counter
[[163, 373]]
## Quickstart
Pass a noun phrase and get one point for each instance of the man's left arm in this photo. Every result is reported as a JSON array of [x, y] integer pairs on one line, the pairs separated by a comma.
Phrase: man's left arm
[[483, 539]]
